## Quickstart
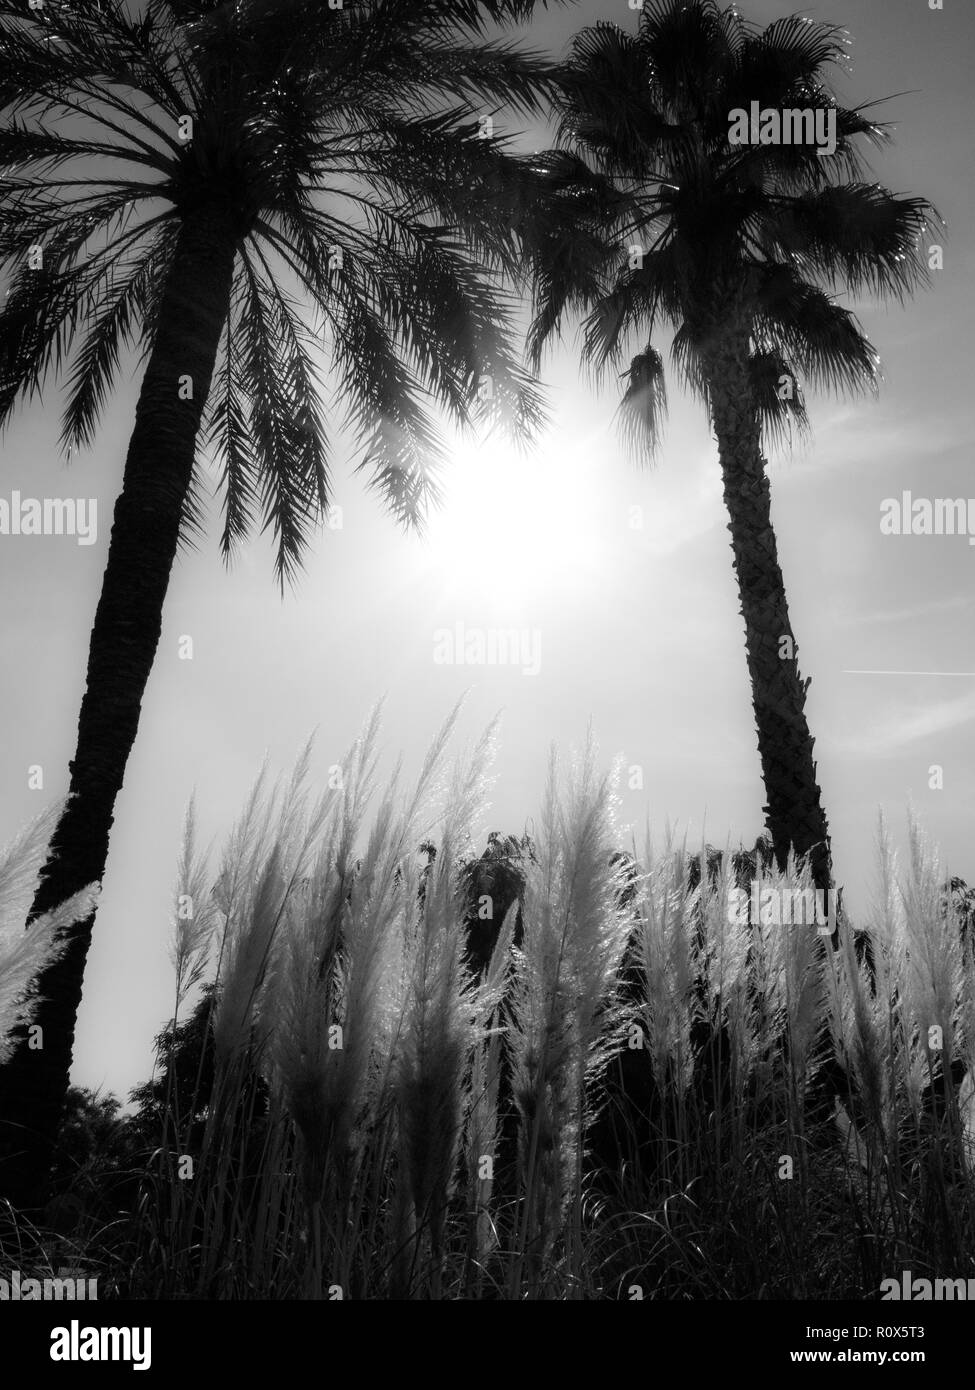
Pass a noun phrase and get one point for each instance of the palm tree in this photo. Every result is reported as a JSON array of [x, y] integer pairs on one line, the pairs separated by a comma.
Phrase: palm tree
[[240, 191], [736, 248]]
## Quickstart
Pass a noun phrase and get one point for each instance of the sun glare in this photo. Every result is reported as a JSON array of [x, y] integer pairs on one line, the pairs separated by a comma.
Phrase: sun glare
[[514, 525]]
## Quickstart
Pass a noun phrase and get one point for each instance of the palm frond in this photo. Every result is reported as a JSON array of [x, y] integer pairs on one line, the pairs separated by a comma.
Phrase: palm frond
[[779, 400], [644, 405], [119, 316], [286, 423], [861, 234], [824, 339]]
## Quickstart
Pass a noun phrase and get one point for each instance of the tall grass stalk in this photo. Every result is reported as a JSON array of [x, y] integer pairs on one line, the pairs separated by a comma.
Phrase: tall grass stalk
[[24, 955], [565, 1021]]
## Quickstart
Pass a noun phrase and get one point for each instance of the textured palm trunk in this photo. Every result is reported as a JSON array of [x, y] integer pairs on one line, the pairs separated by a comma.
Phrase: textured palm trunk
[[794, 811], [124, 639]]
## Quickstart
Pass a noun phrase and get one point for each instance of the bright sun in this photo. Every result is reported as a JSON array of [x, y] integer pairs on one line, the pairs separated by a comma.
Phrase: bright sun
[[514, 525]]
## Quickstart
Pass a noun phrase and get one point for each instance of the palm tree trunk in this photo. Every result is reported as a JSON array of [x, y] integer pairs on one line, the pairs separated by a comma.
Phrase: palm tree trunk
[[794, 813], [124, 638]]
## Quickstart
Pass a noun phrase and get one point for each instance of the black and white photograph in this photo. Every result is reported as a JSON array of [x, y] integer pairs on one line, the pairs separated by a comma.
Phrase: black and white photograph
[[487, 697]]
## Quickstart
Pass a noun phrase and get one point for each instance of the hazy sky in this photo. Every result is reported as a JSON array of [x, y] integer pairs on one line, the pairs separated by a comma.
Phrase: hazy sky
[[639, 629]]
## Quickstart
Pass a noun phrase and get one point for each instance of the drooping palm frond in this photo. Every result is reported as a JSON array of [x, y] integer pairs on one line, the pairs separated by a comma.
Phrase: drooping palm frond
[[778, 396], [644, 404]]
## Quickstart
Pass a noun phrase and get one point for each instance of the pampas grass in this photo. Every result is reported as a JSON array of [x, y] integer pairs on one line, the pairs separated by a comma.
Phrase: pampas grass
[[25, 955], [564, 1023], [670, 962], [439, 1017], [350, 1036], [369, 1118]]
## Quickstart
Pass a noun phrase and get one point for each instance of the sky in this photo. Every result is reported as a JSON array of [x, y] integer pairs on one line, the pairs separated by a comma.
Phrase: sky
[[620, 579]]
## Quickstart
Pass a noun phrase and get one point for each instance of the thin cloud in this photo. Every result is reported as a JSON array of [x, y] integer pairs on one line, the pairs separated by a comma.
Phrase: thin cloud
[[904, 725], [905, 615], [854, 435]]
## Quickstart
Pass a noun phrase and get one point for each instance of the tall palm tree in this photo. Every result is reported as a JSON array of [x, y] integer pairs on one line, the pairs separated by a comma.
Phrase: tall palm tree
[[265, 198], [736, 248]]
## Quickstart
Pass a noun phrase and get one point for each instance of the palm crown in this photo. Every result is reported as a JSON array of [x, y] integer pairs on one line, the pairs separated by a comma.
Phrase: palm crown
[[372, 219], [709, 237]]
